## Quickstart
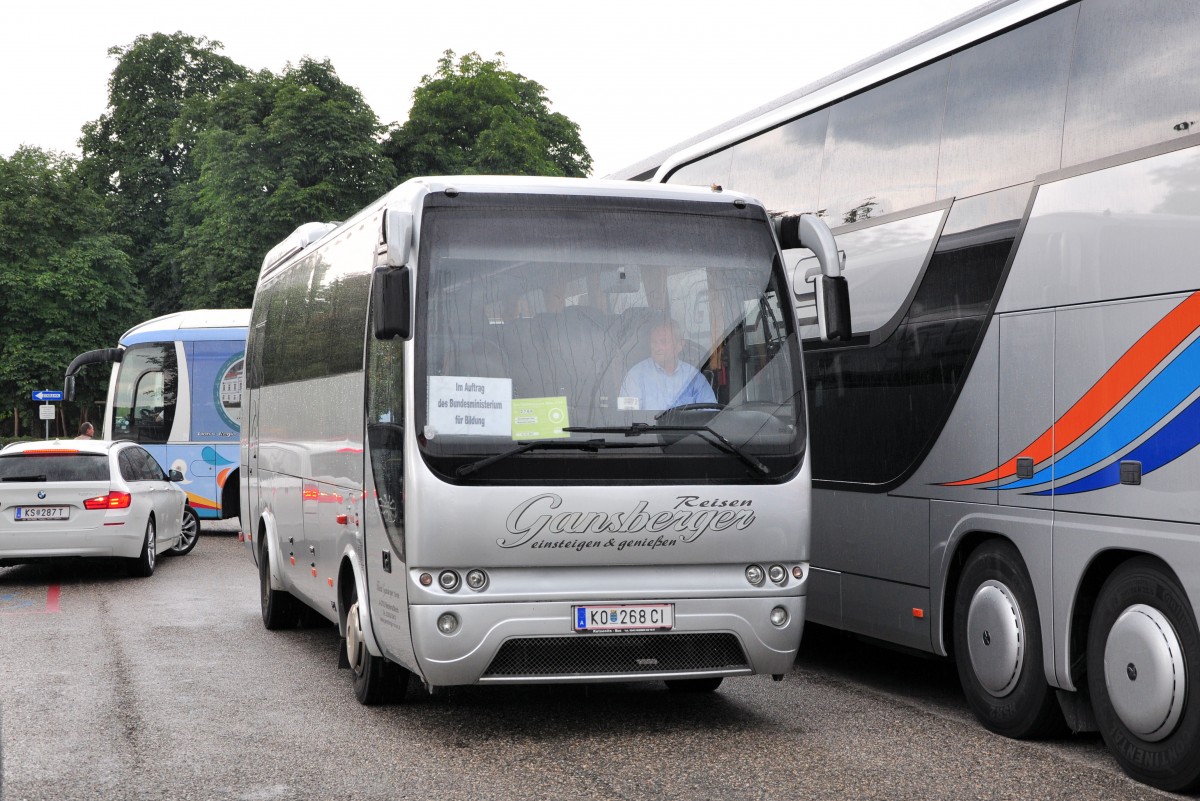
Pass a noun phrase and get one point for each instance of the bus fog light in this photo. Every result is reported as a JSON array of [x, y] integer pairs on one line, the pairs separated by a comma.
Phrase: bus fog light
[[779, 617], [448, 580], [777, 574], [476, 579], [754, 575], [448, 623]]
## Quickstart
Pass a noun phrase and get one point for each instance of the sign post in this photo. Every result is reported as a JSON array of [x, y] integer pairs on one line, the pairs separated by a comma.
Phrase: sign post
[[46, 410]]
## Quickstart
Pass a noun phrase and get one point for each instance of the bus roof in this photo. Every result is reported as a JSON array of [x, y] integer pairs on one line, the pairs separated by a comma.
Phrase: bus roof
[[987, 19], [190, 325]]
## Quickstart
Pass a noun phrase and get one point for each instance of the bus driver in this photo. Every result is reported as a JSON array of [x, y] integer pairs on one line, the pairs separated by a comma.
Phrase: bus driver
[[663, 381]]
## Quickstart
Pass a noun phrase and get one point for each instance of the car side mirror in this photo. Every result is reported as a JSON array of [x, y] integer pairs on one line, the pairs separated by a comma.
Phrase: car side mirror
[[175, 476]]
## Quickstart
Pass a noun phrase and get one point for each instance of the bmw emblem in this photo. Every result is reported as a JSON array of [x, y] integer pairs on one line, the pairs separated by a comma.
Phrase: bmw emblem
[[41, 495]]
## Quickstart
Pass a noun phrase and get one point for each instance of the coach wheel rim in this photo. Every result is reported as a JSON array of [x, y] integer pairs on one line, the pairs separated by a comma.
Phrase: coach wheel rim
[[995, 638], [354, 640], [1145, 673]]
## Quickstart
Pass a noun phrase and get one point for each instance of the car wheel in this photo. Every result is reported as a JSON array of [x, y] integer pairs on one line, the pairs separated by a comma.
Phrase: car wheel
[[376, 679], [1142, 643], [189, 533], [280, 609], [998, 646], [142, 565], [707, 685]]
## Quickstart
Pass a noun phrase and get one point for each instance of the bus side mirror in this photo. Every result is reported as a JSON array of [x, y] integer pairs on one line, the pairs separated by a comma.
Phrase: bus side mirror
[[833, 307], [391, 303], [69, 388], [397, 234]]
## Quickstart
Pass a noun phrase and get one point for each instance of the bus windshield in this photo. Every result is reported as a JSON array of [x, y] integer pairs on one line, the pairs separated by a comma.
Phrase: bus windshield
[[567, 340]]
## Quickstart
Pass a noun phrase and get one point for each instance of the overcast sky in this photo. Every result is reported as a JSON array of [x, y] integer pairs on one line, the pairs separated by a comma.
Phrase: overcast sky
[[637, 77]]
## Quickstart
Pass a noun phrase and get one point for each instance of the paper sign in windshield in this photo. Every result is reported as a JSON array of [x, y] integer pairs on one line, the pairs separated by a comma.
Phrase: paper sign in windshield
[[539, 418], [464, 406]]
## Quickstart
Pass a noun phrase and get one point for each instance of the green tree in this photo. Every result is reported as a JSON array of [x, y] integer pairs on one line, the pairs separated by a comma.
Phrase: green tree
[[476, 116], [66, 279], [273, 152], [136, 154]]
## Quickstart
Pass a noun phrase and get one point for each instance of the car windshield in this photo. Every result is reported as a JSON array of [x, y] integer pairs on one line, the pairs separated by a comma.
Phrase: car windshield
[[625, 335], [54, 467]]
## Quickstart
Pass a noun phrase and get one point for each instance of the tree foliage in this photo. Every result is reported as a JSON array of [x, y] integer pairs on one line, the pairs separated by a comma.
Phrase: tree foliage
[[136, 154], [476, 116], [66, 278], [198, 167], [273, 152]]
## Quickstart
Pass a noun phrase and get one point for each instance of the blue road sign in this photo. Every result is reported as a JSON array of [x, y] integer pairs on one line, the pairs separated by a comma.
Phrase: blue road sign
[[47, 394]]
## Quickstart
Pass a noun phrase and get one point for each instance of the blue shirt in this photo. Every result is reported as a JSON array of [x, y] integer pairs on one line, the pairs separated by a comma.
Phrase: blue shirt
[[657, 390]]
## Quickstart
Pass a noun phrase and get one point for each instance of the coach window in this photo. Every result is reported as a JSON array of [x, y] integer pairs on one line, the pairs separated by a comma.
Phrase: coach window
[[147, 386], [1004, 108], [782, 167], [1133, 77], [707, 171], [881, 154]]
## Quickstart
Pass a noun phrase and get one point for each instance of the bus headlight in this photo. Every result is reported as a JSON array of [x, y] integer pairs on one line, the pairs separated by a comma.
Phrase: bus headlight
[[448, 580], [755, 575], [476, 579], [448, 623], [777, 574], [779, 617]]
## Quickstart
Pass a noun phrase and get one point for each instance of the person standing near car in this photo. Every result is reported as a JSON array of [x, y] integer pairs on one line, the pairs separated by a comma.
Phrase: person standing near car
[[86, 430]]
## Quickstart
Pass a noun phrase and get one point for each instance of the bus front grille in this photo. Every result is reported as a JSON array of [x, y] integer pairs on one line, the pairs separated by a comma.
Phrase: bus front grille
[[617, 654]]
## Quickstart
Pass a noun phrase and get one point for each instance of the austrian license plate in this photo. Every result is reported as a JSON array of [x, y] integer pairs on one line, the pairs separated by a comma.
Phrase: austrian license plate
[[625, 617], [42, 512]]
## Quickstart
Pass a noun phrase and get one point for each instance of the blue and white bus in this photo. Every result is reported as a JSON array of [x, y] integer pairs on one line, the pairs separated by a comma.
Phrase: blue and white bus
[[176, 389]]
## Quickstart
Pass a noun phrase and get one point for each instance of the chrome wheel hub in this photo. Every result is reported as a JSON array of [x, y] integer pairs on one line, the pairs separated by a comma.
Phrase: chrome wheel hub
[[354, 641], [1145, 673], [995, 638]]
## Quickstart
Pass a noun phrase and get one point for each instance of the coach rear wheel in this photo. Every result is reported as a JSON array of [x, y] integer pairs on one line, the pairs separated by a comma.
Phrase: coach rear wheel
[[280, 610], [376, 679], [998, 646], [1142, 640]]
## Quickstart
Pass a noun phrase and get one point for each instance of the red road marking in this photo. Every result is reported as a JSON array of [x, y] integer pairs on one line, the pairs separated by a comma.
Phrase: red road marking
[[52, 594]]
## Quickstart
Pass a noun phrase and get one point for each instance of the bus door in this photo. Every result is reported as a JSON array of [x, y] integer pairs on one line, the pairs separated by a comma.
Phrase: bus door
[[383, 506], [209, 458]]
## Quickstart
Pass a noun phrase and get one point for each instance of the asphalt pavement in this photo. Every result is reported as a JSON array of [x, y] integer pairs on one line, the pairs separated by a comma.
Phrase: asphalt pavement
[[169, 688]]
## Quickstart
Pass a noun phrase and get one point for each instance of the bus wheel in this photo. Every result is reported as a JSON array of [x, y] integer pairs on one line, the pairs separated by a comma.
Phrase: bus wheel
[[998, 646], [376, 680], [1141, 642], [694, 685], [280, 610]]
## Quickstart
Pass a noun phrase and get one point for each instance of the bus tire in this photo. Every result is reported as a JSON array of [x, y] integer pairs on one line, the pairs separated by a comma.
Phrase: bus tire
[[998, 646], [280, 610], [376, 679], [1141, 643], [706, 685]]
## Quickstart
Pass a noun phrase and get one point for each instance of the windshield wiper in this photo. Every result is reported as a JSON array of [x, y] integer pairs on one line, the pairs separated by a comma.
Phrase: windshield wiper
[[718, 439], [533, 445]]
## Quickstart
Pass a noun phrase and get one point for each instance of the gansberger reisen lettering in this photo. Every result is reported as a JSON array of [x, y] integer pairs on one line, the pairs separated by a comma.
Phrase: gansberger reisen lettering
[[691, 516]]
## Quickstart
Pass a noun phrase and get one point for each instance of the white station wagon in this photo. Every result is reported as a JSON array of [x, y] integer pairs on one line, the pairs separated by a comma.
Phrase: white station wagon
[[89, 498]]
